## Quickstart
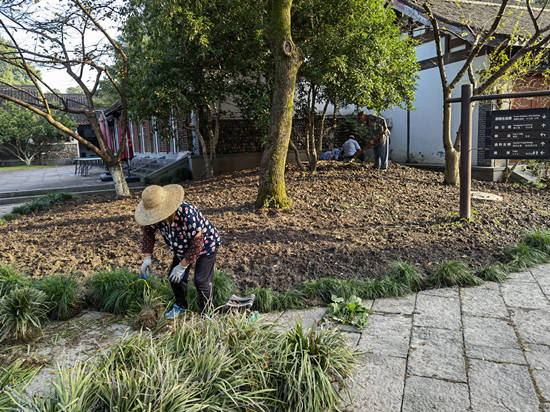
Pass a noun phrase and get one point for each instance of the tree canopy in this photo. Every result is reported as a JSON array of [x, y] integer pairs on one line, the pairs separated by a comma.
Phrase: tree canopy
[[354, 50], [26, 135], [187, 55], [73, 36]]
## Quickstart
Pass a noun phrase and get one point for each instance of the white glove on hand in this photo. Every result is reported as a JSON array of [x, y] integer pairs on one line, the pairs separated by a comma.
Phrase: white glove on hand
[[177, 273], [146, 266]]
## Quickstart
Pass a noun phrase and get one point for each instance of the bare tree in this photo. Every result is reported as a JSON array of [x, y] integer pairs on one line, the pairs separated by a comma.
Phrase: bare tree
[[481, 38], [69, 35]]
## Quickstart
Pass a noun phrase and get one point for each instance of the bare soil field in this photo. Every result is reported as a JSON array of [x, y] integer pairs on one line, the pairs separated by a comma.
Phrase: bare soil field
[[347, 220]]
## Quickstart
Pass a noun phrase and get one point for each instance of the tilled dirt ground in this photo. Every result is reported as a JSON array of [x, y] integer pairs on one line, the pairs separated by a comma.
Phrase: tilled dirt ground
[[347, 220]]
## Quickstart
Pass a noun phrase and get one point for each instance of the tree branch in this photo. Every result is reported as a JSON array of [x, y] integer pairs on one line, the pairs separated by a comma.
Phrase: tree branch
[[437, 40], [480, 44], [53, 122]]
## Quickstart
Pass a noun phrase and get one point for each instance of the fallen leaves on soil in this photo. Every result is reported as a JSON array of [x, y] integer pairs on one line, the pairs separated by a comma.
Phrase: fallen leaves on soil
[[347, 220]]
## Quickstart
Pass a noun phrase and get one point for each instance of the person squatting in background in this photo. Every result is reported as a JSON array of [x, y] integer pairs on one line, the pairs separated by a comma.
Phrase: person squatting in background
[[350, 148]]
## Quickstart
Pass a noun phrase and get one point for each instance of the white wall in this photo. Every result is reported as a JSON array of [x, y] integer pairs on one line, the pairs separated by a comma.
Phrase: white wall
[[426, 143]]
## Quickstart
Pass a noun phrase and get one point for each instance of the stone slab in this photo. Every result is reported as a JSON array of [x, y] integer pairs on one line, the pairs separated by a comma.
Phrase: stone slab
[[443, 292], [404, 305], [378, 384], [525, 276], [308, 317], [533, 325], [341, 327], [387, 335], [486, 196], [352, 338], [437, 311], [67, 342], [541, 273], [545, 289], [491, 339], [483, 300], [271, 317], [437, 353], [538, 357], [524, 295], [426, 394], [501, 387]]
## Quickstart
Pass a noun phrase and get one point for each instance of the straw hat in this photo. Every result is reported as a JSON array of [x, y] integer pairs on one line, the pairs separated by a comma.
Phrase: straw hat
[[158, 203]]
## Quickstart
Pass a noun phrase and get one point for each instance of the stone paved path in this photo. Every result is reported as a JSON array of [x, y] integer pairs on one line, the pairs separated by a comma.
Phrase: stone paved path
[[48, 178], [481, 349]]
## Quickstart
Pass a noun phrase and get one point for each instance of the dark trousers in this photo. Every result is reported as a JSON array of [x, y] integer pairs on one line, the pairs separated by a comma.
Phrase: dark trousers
[[362, 157], [204, 279]]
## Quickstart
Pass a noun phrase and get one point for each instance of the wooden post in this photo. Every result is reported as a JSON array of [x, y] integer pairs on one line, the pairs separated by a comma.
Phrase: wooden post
[[466, 153]]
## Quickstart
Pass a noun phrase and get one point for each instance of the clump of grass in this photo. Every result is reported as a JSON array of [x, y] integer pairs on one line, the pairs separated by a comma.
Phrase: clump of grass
[[493, 273], [120, 291], [210, 363], [311, 365], [407, 274], [291, 299], [8, 217], [453, 273], [14, 378], [323, 289], [224, 286], [63, 296], [364, 288], [523, 256], [265, 298], [386, 286], [389, 287], [538, 239], [21, 313], [75, 389], [11, 278], [41, 203], [149, 311]]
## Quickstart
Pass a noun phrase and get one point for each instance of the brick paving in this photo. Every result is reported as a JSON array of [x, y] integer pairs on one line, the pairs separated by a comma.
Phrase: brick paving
[[480, 349]]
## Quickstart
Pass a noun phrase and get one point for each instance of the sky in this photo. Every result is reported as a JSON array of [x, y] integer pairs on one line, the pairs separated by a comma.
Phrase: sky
[[58, 78]]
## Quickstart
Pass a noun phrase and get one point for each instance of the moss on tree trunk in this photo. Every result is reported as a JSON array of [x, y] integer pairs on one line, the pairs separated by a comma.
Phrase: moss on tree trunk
[[272, 191]]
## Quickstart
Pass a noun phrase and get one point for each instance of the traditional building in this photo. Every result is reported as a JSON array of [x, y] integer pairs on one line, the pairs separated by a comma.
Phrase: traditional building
[[417, 134]]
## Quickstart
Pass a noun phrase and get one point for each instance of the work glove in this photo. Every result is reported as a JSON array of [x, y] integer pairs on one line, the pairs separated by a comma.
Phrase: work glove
[[177, 273], [146, 266]]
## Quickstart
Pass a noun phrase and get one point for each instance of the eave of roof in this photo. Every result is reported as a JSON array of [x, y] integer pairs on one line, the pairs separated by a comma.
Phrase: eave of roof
[[456, 16]]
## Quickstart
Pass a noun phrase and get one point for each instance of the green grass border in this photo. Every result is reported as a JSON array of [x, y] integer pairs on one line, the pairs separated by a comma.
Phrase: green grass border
[[24, 167], [46, 202], [121, 291]]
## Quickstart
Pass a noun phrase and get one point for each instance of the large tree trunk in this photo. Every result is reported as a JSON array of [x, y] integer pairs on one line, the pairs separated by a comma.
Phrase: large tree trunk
[[108, 157], [272, 191], [121, 186]]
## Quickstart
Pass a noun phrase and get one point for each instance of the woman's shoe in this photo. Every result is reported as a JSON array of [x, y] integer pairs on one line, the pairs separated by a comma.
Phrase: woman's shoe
[[176, 310]]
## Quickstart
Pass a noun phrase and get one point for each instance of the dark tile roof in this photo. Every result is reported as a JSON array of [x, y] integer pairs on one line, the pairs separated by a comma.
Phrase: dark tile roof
[[480, 14], [26, 93]]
